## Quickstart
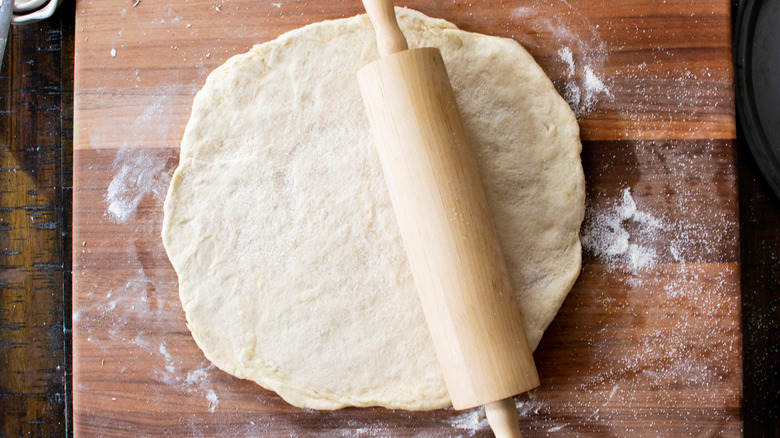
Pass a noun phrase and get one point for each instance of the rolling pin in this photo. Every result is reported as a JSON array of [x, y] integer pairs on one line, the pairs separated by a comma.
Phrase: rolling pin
[[475, 324]]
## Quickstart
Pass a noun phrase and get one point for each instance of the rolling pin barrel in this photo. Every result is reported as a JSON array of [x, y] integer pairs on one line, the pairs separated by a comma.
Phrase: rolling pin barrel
[[445, 222], [448, 232]]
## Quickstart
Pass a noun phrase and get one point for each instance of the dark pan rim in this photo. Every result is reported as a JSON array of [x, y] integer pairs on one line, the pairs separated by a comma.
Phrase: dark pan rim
[[747, 112]]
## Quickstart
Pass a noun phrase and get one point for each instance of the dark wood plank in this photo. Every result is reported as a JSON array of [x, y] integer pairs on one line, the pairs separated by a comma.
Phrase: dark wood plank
[[34, 195]]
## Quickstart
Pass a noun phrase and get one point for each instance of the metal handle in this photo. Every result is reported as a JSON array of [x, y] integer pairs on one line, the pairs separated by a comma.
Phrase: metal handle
[[6, 14]]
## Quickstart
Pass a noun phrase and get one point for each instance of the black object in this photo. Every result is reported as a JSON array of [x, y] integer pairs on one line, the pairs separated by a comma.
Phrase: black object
[[757, 62]]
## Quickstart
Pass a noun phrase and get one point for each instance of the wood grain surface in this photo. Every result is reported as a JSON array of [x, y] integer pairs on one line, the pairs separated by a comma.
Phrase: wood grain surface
[[647, 346], [35, 192]]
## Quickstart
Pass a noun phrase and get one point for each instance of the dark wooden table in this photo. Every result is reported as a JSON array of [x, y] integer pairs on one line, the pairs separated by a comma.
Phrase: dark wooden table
[[36, 105]]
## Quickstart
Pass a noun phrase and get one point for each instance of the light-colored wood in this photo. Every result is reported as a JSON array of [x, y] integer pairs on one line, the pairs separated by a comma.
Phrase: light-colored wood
[[502, 416], [389, 38], [414, 116], [445, 222]]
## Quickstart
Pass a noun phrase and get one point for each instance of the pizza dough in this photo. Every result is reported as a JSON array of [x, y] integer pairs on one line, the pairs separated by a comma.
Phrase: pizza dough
[[292, 272]]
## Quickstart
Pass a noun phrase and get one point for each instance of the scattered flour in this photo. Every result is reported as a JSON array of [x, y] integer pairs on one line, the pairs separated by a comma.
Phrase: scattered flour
[[475, 420], [196, 382], [470, 421], [605, 234], [140, 173], [593, 84], [196, 376], [211, 396], [582, 50], [566, 56], [168, 359], [582, 92]]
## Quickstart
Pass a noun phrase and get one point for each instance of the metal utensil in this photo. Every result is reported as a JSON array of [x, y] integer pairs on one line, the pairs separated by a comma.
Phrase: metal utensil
[[6, 15], [22, 6], [23, 15], [21, 12]]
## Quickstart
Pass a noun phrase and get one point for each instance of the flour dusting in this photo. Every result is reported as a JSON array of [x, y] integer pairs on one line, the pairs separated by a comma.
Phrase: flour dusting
[[475, 420], [605, 234], [196, 376], [594, 84], [581, 50], [566, 56], [470, 421], [168, 358], [583, 92], [211, 396], [196, 382], [140, 173], [661, 327]]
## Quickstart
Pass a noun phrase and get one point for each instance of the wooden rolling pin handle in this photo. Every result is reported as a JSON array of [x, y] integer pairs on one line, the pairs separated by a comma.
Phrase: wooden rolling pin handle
[[445, 222], [502, 417], [389, 38]]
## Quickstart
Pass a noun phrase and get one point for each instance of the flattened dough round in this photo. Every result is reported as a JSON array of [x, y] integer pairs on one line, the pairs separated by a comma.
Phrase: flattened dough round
[[292, 272]]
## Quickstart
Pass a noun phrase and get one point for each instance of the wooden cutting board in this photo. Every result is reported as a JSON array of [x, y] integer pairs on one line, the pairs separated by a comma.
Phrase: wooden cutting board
[[648, 342]]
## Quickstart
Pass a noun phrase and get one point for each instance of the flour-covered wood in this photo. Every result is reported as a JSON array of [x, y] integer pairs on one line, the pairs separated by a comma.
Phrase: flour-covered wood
[[633, 352]]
